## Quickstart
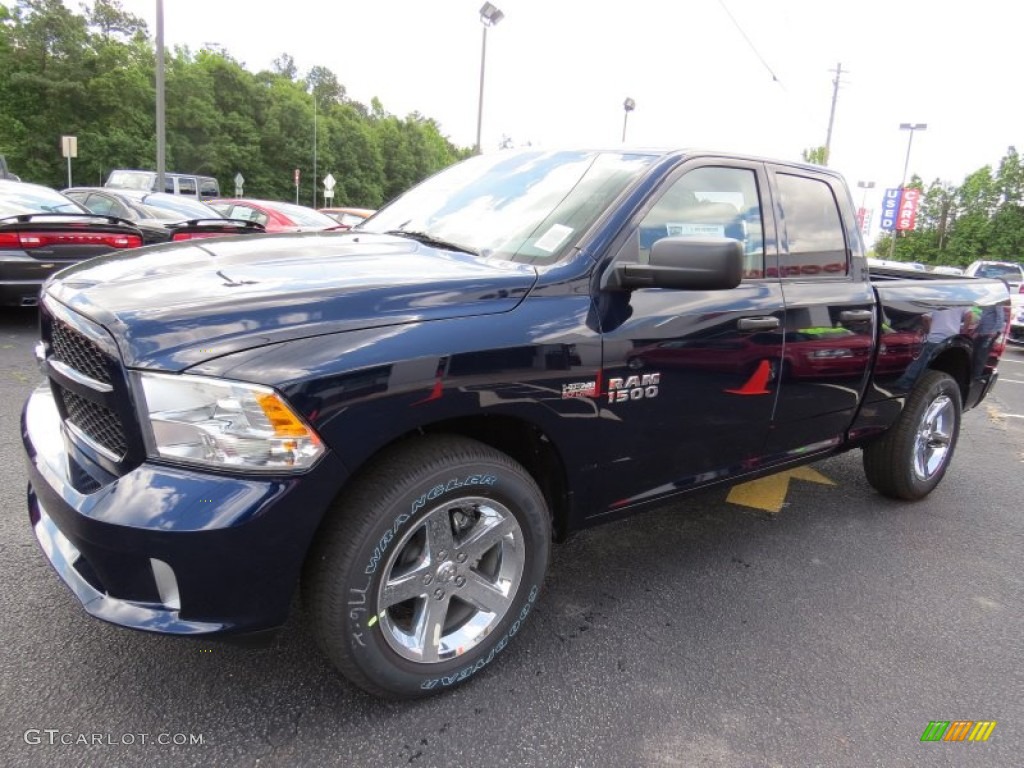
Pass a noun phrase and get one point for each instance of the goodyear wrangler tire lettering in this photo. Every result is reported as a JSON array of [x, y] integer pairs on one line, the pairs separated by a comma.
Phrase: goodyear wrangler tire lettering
[[498, 648], [419, 586], [418, 504]]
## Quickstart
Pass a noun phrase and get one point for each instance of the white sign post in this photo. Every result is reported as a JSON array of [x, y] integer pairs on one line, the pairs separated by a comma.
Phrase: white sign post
[[329, 183], [239, 181], [69, 148]]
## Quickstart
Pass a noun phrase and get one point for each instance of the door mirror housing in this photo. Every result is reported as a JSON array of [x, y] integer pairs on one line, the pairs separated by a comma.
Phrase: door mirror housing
[[683, 263]]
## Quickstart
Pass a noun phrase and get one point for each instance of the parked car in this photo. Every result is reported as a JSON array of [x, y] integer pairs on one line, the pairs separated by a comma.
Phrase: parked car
[[42, 231], [150, 210], [1009, 272], [893, 264], [349, 217], [275, 216], [1016, 336], [946, 270], [186, 184], [403, 418], [161, 216]]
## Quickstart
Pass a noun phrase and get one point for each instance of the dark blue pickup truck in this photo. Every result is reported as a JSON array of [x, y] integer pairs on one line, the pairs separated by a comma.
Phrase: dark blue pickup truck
[[401, 418]]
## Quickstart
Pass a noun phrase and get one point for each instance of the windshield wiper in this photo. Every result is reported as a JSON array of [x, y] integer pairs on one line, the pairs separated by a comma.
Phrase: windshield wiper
[[428, 239]]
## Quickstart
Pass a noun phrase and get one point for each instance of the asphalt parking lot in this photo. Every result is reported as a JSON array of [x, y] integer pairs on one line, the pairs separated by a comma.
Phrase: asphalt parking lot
[[706, 634]]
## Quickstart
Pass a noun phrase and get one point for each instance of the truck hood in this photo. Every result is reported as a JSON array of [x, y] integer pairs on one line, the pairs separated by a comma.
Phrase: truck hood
[[171, 307]]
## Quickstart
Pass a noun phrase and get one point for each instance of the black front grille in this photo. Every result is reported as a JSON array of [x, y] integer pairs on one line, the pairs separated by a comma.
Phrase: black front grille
[[72, 348], [96, 421]]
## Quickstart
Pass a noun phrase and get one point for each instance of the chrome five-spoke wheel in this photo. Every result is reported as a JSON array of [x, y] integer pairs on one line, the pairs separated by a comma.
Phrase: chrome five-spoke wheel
[[450, 580], [934, 437]]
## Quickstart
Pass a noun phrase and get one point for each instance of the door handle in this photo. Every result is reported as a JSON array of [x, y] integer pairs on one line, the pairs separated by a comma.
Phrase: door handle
[[757, 323], [856, 316]]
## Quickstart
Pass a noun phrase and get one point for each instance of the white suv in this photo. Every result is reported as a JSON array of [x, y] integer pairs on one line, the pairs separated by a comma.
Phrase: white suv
[[1009, 272]]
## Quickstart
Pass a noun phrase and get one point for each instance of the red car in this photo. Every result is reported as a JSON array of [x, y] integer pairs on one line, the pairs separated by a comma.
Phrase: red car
[[349, 217], [274, 216]]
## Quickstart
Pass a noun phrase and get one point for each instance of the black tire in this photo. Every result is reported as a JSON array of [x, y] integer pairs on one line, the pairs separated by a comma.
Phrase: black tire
[[400, 607], [914, 454]]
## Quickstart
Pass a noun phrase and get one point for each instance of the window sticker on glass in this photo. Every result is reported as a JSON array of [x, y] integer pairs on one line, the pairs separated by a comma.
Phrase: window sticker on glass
[[553, 238], [681, 229]]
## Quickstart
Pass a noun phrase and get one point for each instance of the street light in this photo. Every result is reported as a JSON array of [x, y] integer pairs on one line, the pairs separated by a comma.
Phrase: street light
[[489, 16], [910, 142], [628, 106]]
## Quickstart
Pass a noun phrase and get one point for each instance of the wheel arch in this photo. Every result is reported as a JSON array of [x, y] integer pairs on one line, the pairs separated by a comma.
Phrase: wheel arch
[[520, 439], [956, 362]]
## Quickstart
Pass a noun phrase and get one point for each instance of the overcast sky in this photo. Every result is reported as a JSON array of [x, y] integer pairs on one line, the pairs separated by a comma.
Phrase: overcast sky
[[558, 71]]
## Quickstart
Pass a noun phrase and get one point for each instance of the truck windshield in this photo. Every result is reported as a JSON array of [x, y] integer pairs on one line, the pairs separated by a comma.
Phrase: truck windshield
[[140, 180], [530, 206]]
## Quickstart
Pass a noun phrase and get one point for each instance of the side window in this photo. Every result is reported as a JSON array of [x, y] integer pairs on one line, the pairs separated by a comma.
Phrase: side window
[[208, 188], [187, 186], [100, 204], [245, 213], [710, 202], [814, 229], [168, 185]]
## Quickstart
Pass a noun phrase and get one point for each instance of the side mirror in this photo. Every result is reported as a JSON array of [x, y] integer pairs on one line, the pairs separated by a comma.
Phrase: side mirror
[[683, 263]]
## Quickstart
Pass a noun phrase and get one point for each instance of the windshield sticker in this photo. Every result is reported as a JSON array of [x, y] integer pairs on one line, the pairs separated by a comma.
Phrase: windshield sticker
[[579, 389], [683, 229], [553, 238]]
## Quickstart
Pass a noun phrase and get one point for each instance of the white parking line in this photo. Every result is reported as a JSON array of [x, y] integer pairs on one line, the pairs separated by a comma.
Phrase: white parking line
[[1011, 362], [1011, 416], [1010, 381]]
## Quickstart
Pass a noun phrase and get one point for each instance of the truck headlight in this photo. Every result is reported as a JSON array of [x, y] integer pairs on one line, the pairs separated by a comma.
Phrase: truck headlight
[[220, 423]]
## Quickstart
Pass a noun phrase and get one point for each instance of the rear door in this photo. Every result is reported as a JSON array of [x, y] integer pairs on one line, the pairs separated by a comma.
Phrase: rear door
[[830, 320]]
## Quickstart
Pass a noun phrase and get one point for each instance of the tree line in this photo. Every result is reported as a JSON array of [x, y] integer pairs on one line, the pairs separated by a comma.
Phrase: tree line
[[92, 75], [982, 218]]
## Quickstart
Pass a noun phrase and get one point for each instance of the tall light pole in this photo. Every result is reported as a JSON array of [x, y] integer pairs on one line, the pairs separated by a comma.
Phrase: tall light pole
[[906, 165], [628, 106], [161, 136], [489, 16], [865, 185], [314, 146]]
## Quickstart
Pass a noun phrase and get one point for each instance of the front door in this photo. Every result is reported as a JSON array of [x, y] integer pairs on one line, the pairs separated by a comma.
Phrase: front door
[[690, 377]]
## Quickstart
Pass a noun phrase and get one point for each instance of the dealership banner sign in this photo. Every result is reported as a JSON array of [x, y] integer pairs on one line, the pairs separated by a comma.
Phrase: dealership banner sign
[[909, 203], [890, 209], [864, 216]]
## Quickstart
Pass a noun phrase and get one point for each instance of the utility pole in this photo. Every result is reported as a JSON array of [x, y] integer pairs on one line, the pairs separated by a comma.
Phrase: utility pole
[[832, 115], [161, 136]]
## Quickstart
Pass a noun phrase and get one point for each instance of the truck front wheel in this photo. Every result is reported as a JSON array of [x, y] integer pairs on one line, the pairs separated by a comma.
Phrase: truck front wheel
[[912, 457], [428, 566]]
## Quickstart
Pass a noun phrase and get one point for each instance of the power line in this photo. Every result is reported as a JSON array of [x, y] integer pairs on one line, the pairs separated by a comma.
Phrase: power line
[[750, 43]]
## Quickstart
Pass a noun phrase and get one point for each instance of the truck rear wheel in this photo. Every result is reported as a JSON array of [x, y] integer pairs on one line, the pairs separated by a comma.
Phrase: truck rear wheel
[[428, 566], [912, 457]]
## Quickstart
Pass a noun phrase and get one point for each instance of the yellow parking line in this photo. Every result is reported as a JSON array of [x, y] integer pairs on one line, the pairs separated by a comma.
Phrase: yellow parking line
[[769, 493]]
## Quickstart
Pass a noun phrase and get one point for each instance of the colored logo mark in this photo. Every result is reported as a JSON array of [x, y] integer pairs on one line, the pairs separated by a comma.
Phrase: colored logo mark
[[958, 730]]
